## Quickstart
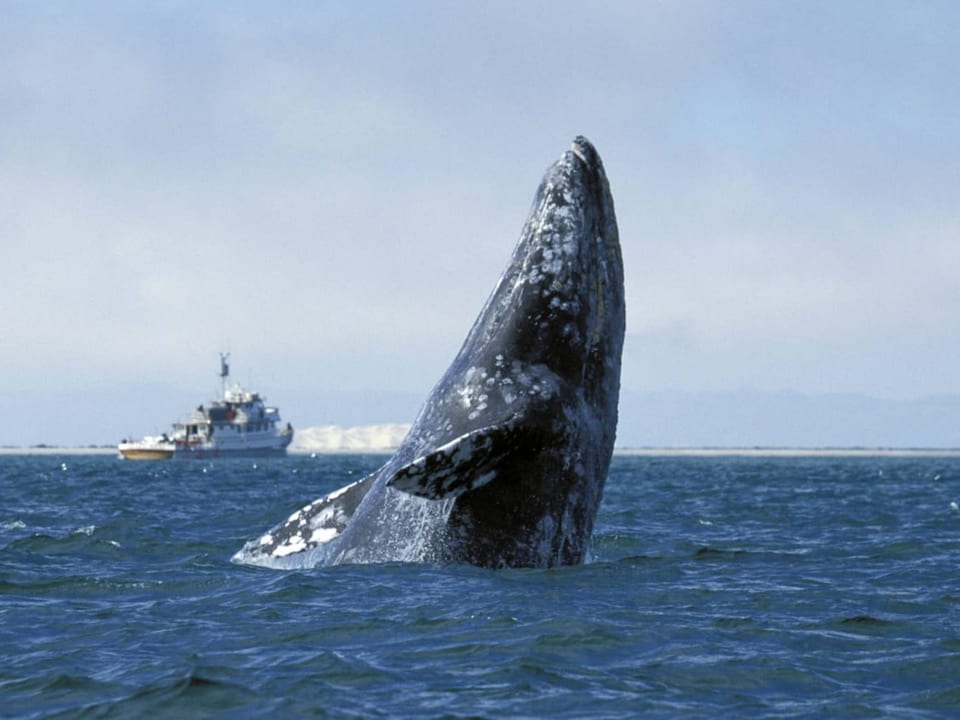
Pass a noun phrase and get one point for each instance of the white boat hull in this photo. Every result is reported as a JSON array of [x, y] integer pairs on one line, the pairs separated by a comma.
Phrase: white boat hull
[[239, 445], [146, 450]]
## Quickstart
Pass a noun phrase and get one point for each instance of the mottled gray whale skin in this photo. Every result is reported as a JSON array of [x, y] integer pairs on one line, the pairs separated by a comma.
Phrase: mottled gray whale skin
[[506, 462]]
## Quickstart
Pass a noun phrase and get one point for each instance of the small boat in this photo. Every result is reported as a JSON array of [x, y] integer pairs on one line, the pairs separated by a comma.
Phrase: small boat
[[240, 423], [152, 447]]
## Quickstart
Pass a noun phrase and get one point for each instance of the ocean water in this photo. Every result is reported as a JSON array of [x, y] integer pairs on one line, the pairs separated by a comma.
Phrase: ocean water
[[719, 586]]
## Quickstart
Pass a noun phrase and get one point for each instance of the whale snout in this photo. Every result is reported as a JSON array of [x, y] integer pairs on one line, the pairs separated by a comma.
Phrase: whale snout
[[583, 149], [575, 214]]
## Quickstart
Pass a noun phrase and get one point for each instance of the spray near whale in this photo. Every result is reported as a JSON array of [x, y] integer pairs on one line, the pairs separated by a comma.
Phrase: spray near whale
[[505, 464]]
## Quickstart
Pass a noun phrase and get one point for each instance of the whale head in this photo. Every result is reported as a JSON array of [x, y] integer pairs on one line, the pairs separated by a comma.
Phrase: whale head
[[560, 301]]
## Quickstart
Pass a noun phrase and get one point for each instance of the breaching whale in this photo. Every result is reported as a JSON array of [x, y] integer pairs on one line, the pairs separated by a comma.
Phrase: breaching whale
[[505, 464]]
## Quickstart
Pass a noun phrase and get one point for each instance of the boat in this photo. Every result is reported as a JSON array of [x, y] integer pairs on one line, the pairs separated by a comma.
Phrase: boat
[[152, 447], [239, 423]]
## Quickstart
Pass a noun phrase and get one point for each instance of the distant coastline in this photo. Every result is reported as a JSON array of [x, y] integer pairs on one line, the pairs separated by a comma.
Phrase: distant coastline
[[789, 452], [385, 438]]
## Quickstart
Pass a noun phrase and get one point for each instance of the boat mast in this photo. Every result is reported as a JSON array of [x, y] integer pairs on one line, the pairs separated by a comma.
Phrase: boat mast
[[224, 374]]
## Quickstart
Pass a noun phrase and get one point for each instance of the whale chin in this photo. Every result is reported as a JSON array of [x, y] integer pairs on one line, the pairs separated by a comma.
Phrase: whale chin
[[505, 464]]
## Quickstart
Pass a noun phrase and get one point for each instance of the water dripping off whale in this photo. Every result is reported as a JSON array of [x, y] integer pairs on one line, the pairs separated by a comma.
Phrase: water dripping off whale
[[505, 464]]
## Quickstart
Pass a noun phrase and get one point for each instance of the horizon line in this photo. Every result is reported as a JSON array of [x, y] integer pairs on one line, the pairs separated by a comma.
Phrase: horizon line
[[690, 451]]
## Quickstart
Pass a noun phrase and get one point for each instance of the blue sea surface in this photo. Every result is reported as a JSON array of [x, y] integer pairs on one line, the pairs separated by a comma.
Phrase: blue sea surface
[[731, 586]]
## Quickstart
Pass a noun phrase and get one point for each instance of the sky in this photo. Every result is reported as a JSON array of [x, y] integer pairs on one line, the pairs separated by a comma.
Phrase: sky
[[330, 191]]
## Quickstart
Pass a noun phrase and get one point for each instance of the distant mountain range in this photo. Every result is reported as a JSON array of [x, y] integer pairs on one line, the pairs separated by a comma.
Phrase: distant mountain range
[[364, 420], [745, 418], [784, 419]]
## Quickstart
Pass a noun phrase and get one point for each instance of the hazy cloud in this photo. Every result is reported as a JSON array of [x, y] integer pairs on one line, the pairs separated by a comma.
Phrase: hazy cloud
[[333, 189]]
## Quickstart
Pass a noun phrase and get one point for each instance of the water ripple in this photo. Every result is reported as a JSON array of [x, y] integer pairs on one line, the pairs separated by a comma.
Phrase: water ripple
[[786, 587]]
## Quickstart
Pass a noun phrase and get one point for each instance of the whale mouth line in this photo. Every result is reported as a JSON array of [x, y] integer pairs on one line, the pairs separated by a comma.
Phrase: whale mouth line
[[575, 149]]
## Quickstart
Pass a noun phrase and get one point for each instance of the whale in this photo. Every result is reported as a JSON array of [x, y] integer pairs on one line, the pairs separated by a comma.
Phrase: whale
[[505, 464]]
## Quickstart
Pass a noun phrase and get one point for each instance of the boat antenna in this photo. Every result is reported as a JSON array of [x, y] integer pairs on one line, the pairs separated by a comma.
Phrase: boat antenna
[[224, 373]]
